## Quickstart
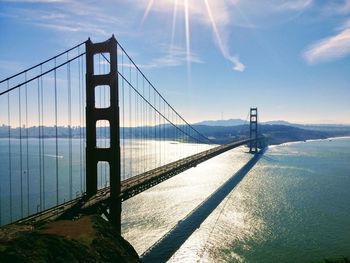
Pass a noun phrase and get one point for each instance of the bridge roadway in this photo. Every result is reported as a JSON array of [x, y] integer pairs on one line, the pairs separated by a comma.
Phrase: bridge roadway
[[134, 185]]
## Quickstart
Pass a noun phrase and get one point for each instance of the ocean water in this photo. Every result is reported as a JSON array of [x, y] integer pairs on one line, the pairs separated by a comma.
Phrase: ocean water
[[35, 176], [290, 204]]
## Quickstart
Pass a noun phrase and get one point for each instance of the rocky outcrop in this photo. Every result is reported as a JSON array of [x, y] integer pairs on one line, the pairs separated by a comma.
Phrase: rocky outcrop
[[88, 239]]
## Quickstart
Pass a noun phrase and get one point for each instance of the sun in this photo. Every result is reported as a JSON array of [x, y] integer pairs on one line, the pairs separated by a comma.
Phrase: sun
[[175, 4], [183, 6], [190, 10]]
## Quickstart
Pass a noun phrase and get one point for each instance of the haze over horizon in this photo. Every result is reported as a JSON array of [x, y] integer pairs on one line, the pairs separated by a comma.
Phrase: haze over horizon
[[288, 58], [319, 122], [215, 122]]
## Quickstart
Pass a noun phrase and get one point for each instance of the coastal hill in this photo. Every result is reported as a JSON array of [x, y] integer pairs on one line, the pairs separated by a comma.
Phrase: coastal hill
[[277, 132]]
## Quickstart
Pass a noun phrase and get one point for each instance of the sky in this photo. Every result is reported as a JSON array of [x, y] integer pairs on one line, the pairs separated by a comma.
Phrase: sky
[[211, 59]]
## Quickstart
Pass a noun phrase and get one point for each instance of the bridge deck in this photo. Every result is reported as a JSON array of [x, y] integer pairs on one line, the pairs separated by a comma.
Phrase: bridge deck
[[136, 184]]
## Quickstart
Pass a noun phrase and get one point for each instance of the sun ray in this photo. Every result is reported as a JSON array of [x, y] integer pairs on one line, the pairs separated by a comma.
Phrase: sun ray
[[174, 23], [215, 29], [188, 40], [148, 9]]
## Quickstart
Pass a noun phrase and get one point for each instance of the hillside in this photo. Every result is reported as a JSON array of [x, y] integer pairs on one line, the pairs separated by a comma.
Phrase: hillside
[[276, 134]]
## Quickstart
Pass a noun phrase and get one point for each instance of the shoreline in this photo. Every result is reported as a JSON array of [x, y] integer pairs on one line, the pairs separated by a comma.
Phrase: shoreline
[[311, 140]]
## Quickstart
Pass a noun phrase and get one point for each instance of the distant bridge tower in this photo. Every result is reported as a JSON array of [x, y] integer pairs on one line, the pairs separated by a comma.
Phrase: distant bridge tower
[[253, 146], [94, 154]]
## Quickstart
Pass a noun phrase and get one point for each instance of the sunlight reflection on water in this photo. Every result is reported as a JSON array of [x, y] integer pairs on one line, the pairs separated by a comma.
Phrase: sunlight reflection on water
[[292, 206]]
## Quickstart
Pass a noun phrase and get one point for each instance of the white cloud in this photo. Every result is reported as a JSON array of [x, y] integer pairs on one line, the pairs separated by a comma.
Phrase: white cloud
[[237, 64], [78, 27], [66, 16], [35, 1], [174, 57], [295, 5], [330, 48]]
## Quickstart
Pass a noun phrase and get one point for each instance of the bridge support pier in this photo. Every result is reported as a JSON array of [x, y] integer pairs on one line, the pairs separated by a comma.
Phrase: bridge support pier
[[253, 130], [111, 155]]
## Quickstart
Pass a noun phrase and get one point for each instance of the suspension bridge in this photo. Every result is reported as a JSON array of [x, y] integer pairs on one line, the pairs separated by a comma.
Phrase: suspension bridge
[[86, 130]]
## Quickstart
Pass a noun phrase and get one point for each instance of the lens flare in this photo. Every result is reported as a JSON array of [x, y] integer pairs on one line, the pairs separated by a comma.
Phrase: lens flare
[[192, 10], [187, 27], [213, 24], [174, 23], [148, 9]]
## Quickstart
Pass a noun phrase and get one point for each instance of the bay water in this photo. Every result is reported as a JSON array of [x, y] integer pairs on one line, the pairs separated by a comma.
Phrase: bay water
[[292, 205], [289, 204]]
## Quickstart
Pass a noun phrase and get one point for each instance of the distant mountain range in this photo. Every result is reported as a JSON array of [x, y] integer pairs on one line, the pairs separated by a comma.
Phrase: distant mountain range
[[237, 122], [224, 123], [224, 131]]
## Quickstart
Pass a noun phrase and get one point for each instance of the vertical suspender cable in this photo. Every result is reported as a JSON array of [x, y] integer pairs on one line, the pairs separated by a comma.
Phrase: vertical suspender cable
[[56, 133], [164, 153], [130, 129], [168, 137], [81, 70], [20, 149], [69, 128], [149, 130], [9, 144], [42, 134], [80, 126], [83, 116], [39, 140], [162, 133], [159, 134], [137, 155], [144, 145], [27, 143], [123, 115], [155, 132]]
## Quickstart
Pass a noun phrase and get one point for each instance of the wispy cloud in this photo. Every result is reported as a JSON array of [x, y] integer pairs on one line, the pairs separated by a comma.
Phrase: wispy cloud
[[77, 27], [65, 16], [330, 48], [295, 5], [174, 57], [237, 64], [35, 1]]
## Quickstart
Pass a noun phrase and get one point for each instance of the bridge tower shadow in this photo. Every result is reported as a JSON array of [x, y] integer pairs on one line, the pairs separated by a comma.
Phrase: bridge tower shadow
[[164, 248]]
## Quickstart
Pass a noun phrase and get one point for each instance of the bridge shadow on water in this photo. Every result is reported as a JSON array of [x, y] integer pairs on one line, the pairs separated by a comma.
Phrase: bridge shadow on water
[[164, 248]]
